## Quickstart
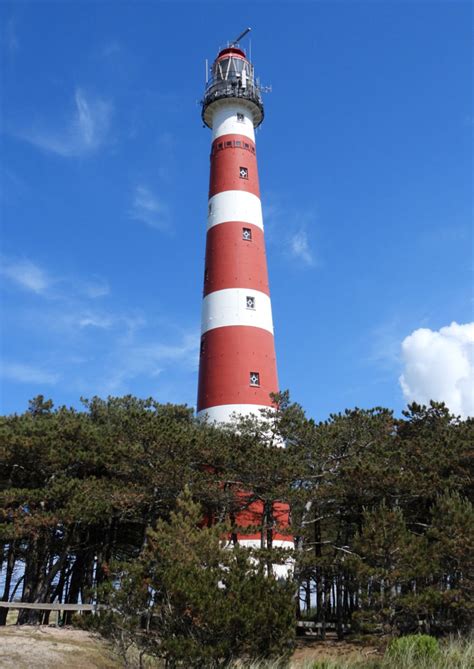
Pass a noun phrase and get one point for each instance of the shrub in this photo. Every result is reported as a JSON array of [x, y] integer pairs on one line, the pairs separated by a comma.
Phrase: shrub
[[407, 650]]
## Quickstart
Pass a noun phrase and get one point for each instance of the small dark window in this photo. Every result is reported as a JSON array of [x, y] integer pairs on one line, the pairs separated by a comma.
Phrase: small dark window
[[246, 146], [206, 274], [240, 117], [244, 172], [203, 346], [220, 145], [250, 302], [247, 234], [252, 148], [254, 379], [228, 143], [209, 208], [237, 143]]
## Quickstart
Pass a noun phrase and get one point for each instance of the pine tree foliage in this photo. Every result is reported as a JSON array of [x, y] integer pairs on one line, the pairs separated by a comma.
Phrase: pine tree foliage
[[201, 603], [381, 513]]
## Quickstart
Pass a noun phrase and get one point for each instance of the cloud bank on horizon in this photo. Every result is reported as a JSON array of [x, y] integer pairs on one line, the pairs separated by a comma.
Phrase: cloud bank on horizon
[[439, 365]]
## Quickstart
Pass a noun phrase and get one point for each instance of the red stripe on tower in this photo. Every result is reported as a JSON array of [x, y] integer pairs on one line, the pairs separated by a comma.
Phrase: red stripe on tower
[[237, 368]]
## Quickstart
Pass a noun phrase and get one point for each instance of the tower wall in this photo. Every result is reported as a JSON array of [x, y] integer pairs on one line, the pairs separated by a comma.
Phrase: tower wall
[[237, 370]]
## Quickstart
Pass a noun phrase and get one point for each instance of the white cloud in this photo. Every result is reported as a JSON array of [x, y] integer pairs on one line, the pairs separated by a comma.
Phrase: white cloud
[[83, 134], [28, 374], [149, 209], [26, 274], [300, 249], [439, 365]]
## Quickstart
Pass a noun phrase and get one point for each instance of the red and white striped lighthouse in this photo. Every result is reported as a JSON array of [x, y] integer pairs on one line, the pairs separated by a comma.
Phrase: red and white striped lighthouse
[[237, 369]]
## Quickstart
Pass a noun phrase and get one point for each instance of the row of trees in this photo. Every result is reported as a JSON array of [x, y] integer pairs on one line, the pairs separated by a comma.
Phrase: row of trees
[[381, 514]]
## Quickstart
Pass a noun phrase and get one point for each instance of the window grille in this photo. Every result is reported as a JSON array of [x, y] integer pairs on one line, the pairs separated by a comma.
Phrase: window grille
[[255, 379]]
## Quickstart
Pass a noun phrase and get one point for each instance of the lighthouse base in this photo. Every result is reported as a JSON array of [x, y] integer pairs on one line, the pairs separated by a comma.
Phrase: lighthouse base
[[282, 570], [225, 413]]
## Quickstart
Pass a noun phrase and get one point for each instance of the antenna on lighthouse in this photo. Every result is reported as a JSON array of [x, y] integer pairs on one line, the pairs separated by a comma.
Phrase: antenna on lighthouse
[[241, 36]]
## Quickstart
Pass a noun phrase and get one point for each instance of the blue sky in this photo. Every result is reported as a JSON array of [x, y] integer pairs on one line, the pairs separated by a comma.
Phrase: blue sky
[[365, 170]]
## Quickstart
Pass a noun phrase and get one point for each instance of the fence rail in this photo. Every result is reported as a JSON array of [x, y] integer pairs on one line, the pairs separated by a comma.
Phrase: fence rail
[[56, 606]]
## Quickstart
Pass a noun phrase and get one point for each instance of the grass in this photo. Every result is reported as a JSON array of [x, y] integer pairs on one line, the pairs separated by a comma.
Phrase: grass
[[412, 652], [455, 653]]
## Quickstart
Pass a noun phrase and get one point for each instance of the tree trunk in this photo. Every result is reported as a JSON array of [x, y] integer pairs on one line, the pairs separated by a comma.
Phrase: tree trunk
[[11, 558]]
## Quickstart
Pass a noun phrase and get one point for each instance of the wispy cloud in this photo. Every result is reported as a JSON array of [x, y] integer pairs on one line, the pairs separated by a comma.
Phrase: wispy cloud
[[93, 320], [95, 287], [26, 274], [22, 373], [137, 359], [289, 228], [300, 248], [12, 187], [148, 208], [384, 341], [97, 347], [29, 276], [83, 134]]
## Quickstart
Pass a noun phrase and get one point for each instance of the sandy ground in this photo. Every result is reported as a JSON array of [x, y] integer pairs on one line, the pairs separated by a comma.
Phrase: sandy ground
[[308, 650], [42, 647]]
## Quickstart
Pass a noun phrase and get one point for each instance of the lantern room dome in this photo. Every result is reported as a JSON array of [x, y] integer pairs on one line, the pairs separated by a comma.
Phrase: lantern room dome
[[231, 50]]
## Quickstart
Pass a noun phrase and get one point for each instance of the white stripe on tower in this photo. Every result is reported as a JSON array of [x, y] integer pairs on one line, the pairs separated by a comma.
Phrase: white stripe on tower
[[224, 413], [224, 121], [236, 306], [235, 205]]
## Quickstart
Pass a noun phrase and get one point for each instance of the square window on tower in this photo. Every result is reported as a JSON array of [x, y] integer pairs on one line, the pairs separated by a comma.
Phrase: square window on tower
[[237, 143], [250, 302], [240, 117], [255, 379], [247, 234], [244, 172], [209, 208]]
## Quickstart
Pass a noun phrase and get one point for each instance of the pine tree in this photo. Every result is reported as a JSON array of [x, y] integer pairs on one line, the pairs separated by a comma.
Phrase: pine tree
[[200, 603]]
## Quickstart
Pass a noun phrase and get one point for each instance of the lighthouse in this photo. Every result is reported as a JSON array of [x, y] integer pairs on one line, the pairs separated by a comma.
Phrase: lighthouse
[[237, 368]]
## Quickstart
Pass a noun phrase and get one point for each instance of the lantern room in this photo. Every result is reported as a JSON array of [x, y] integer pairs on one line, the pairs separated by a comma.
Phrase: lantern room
[[232, 77]]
